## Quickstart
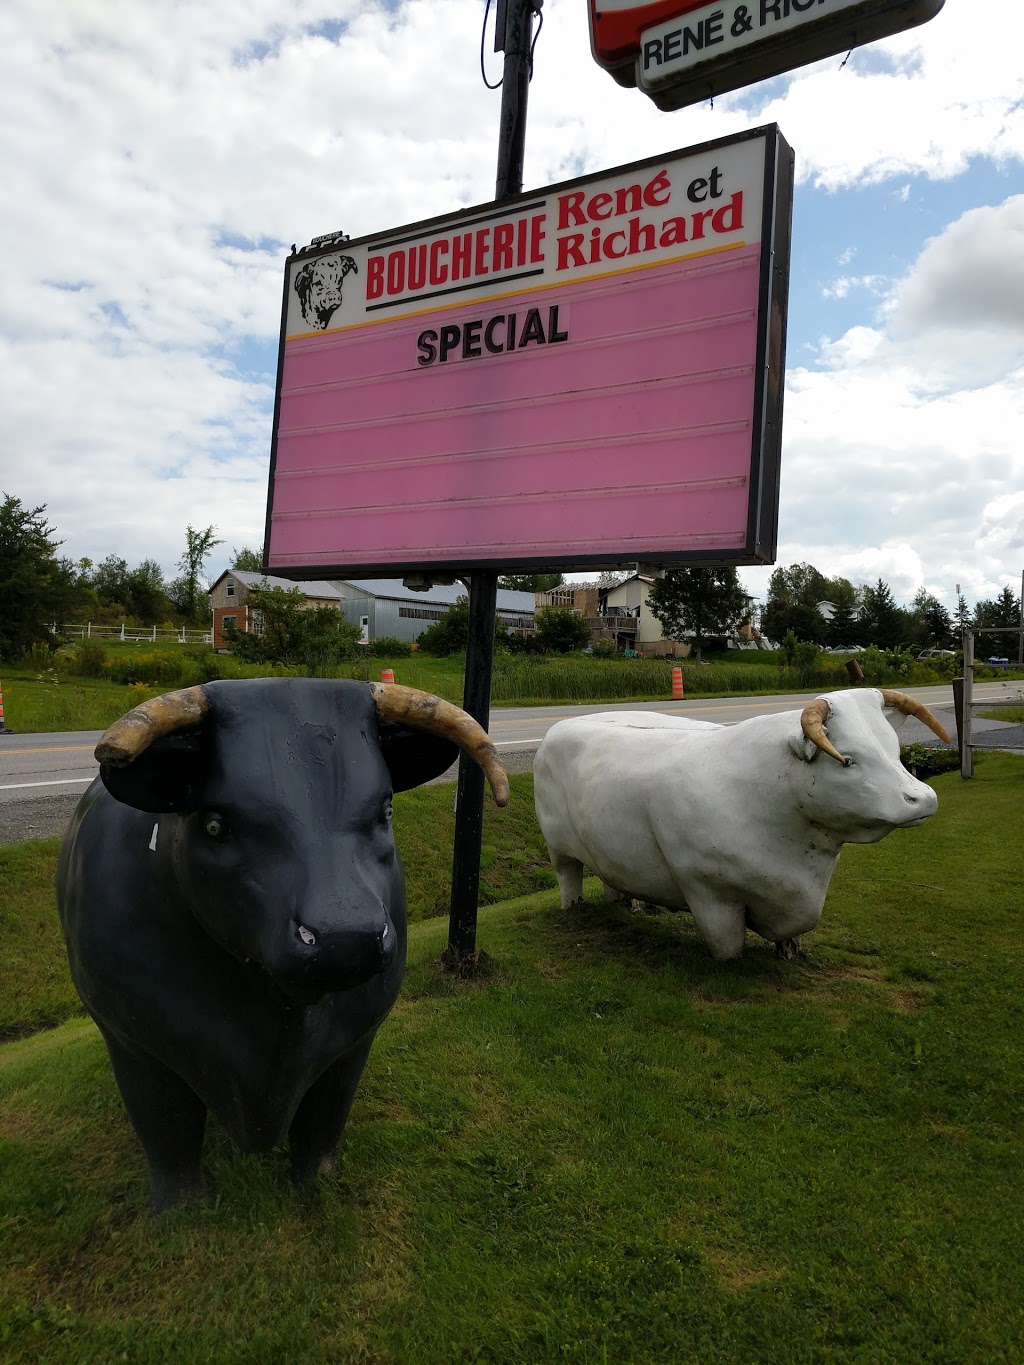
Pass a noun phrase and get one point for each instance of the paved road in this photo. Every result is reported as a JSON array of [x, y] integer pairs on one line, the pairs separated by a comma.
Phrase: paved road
[[42, 776]]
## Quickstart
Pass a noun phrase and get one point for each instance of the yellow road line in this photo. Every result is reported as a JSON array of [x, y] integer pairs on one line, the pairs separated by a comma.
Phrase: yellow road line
[[51, 749]]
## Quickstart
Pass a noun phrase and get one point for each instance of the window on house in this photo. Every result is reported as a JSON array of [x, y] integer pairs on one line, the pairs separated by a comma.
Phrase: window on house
[[422, 613], [230, 588], [228, 622]]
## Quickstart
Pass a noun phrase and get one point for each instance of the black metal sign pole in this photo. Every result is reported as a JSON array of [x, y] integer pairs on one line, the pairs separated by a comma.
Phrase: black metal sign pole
[[514, 33]]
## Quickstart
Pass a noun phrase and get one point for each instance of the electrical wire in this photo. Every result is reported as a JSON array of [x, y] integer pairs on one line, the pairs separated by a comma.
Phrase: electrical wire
[[539, 11], [483, 33]]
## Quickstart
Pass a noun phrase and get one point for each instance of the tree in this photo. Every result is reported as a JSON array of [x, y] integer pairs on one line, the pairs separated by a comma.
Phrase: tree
[[450, 634], [561, 629], [147, 593], [526, 582], [842, 628], [938, 625], [962, 617], [882, 622], [246, 559], [37, 588], [316, 638], [185, 590], [1002, 612], [698, 602], [793, 598]]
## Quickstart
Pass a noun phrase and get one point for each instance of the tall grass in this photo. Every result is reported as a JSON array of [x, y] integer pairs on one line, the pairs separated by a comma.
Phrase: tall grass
[[521, 679]]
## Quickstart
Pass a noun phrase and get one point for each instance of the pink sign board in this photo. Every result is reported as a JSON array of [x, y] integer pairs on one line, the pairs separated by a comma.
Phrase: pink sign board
[[589, 374]]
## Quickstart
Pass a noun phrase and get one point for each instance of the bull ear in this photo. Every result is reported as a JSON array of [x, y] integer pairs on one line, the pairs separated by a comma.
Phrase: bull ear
[[802, 747], [168, 775], [415, 756]]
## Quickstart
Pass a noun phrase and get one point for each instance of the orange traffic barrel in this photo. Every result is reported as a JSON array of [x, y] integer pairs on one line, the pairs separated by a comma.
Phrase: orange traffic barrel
[[387, 675], [677, 684]]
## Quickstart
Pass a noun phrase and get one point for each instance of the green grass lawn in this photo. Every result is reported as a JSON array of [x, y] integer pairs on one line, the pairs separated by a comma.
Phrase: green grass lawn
[[606, 1148]]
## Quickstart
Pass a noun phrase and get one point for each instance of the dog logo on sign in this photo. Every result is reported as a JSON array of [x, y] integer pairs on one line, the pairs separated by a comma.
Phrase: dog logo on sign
[[318, 285]]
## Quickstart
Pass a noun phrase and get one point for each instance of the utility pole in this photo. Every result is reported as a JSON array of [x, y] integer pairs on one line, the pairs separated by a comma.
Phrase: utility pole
[[513, 36]]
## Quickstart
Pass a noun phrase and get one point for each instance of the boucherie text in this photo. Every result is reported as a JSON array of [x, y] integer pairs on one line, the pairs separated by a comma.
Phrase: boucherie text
[[608, 225]]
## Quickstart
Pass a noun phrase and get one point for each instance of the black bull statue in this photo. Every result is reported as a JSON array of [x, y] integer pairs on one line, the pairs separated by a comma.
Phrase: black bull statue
[[234, 905]]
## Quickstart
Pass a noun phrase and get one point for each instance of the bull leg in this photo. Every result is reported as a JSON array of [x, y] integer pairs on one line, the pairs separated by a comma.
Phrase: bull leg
[[320, 1119], [722, 925], [170, 1120], [787, 949], [612, 893], [569, 872]]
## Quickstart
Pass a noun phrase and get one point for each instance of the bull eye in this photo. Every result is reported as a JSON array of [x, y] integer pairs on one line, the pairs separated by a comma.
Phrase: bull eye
[[385, 814], [215, 826]]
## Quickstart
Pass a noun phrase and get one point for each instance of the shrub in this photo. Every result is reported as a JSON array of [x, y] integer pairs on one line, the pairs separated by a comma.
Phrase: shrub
[[924, 762], [152, 666], [514, 643], [88, 658], [450, 634], [561, 629], [806, 657], [390, 646]]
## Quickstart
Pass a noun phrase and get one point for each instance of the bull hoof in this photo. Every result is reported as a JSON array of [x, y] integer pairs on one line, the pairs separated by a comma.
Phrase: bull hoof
[[166, 1191], [787, 949]]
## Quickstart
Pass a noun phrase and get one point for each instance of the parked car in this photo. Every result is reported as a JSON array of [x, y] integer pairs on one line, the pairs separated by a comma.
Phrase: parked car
[[935, 654]]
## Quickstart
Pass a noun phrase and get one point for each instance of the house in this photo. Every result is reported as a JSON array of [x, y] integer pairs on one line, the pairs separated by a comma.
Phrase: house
[[385, 606], [628, 621], [625, 618], [228, 599]]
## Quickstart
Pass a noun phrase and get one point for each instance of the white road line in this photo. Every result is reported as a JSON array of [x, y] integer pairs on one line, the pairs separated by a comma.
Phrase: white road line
[[60, 782]]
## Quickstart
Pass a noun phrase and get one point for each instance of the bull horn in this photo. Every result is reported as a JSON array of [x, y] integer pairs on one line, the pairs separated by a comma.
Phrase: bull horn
[[424, 711], [899, 701], [812, 722], [128, 737]]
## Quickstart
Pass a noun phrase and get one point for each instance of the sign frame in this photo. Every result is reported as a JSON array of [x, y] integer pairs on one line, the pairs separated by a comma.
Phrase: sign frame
[[759, 546], [812, 36]]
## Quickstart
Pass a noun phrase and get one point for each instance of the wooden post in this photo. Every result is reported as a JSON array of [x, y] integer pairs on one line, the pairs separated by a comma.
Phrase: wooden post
[[966, 752]]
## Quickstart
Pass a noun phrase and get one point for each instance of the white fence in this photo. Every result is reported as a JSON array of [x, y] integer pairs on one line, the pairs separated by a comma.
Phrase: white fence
[[78, 631]]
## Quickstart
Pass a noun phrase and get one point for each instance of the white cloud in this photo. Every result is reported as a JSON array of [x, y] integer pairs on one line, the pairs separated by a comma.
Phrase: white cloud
[[842, 285], [158, 159]]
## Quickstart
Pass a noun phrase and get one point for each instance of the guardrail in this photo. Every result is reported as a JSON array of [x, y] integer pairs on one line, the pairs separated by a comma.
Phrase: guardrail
[[76, 630]]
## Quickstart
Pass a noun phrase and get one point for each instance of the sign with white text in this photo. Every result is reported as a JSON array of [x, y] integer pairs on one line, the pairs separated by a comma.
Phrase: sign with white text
[[588, 374], [680, 52]]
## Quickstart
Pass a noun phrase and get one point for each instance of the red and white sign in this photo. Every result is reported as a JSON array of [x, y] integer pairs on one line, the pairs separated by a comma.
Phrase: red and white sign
[[616, 27], [588, 374], [680, 52]]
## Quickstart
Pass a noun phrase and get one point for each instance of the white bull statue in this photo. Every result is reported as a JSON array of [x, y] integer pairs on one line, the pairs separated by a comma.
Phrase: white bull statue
[[742, 824]]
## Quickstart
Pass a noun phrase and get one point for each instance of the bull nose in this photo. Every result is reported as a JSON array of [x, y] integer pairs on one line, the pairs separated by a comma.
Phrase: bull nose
[[347, 953]]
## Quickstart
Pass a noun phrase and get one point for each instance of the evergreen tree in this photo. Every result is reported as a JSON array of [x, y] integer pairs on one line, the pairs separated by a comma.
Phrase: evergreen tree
[[842, 628], [37, 588], [792, 605], [938, 625], [962, 617], [881, 618]]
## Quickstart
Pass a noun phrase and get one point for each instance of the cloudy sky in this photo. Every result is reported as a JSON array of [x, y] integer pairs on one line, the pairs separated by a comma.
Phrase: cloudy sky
[[160, 156]]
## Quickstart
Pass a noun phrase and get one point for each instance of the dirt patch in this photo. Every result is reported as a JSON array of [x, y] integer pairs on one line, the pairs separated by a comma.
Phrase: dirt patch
[[736, 1271]]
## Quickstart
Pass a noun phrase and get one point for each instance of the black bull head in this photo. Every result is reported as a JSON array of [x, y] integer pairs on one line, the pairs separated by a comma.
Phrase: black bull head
[[234, 906]]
